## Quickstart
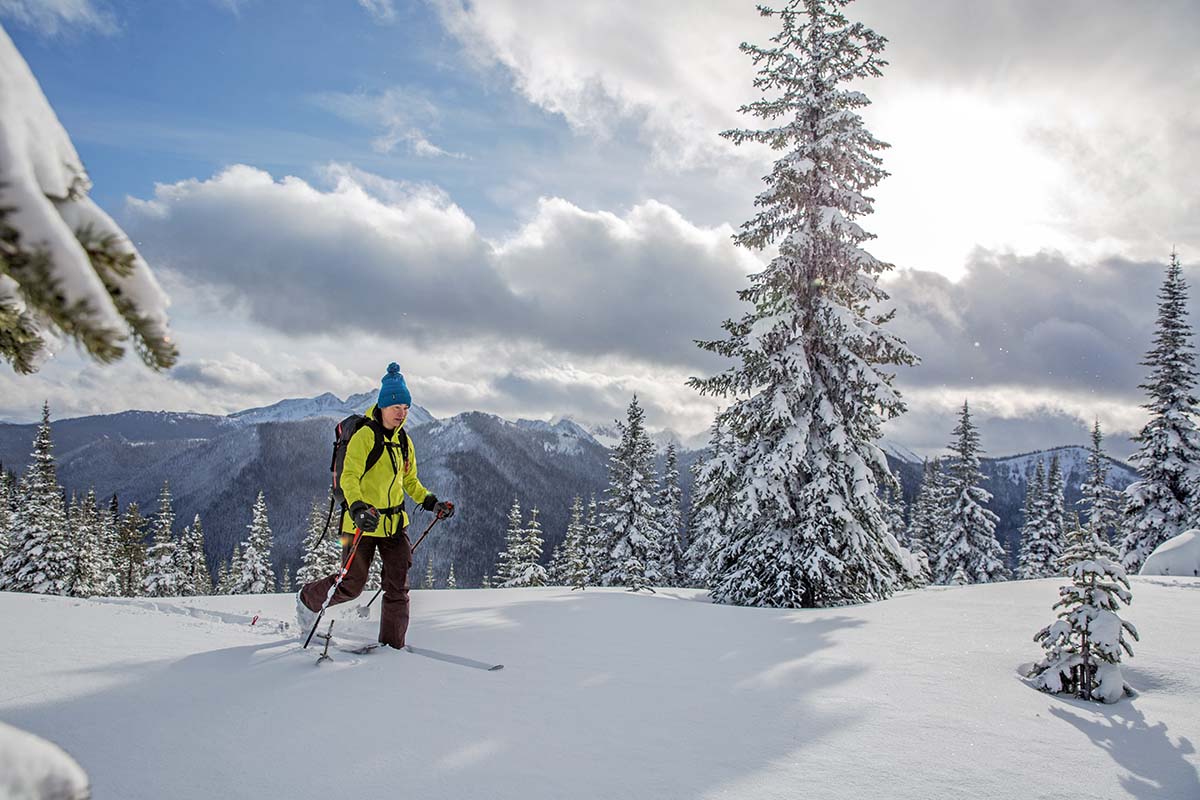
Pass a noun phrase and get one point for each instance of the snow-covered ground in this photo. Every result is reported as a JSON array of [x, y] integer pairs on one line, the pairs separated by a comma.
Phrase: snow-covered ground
[[604, 694]]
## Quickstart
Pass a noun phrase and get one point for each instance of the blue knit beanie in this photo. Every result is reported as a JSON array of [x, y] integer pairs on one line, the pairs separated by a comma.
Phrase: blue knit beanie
[[393, 390]]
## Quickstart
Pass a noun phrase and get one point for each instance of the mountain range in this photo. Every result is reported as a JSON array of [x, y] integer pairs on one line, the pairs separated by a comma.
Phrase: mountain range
[[216, 465]]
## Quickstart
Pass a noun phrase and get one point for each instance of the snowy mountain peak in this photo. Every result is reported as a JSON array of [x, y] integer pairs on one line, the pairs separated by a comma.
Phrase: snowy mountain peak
[[323, 405]]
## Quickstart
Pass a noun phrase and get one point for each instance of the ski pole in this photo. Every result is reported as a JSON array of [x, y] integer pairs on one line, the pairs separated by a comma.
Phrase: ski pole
[[336, 584], [365, 610]]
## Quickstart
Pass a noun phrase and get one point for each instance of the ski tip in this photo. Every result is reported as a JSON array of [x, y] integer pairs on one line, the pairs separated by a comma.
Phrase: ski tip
[[495, 668]]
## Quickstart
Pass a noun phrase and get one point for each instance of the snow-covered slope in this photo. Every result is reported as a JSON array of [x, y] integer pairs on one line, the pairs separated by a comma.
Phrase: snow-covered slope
[[324, 405], [604, 694]]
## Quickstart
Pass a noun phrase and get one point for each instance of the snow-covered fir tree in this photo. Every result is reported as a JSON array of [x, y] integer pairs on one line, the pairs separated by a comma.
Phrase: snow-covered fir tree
[[714, 488], [131, 551], [222, 583], [597, 545], [1099, 500], [192, 562], [285, 583], [630, 515], [93, 560], [528, 570], [1083, 647], [514, 544], [810, 384], [451, 581], [429, 580], [1163, 503], [1040, 551], [896, 509], [928, 514], [1056, 505], [254, 574], [162, 577], [322, 550], [671, 562], [556, 570], [487, 582], [7, 491], [968, 541], [576, 572], [41, 558], [68, 269]]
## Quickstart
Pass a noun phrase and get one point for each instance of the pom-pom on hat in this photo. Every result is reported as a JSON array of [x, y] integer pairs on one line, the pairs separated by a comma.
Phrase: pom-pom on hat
[[393, 390]]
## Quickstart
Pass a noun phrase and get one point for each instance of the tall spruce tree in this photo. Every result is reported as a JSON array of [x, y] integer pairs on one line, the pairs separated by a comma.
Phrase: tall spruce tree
[[1083, 648], [715, 481], [93, 564], [430, 582], [193, 563], [671, 567], [254, 574], [597, 545], [1039, 552], [322, 551], [528, 570], [968, 541], [810, 385], [1100, 500], [1056, 508], [131, 551], [451, 581], [162, 577], [40, 558], [1162, 504], [630, 516], [928, 511], [514, 544], [577, 573], [7, 490]]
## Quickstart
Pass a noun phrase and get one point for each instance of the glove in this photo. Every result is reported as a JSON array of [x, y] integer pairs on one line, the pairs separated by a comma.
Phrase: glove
[[429, 502], [444, 509], [365, 517]]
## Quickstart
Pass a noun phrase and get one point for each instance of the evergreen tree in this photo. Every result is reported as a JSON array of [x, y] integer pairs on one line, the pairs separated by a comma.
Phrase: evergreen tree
[[1039, 553], [1099, 499], [254, 574], [1082, 649], [68, 270], [1056, 512], [928, 511], [528, 570], [514, 544], [322, 552], [285, 585], [630, 516], [810, 384], [969, 539], [597, 548], [1162, 504], [40, 557], [223, 584], [895, 509], [429, 582], [487, 582], [713, 495], [576, 572], [131, 551], [556, 570], [7, 492], [162, 577], [451, 582], [93, 564], [110, 521], [671, 563], [193, 563]]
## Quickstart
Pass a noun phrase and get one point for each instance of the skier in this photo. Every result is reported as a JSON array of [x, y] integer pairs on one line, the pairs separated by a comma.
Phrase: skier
[[375, 505]]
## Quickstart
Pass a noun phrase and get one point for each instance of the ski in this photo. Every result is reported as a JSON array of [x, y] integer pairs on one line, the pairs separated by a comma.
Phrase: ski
[[359, 647]]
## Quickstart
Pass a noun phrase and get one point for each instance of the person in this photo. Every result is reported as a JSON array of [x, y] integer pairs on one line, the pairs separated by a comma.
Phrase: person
[[375, 505]]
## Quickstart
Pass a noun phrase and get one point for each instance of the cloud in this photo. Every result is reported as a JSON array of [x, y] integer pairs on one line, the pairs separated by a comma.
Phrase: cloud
[[235, 372], [52, 17], [380, 10], [1012, 125], [399, 112], [370, 255]]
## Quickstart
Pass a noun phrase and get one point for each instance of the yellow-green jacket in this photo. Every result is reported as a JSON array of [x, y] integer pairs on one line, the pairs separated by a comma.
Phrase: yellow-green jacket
[[382, 486]]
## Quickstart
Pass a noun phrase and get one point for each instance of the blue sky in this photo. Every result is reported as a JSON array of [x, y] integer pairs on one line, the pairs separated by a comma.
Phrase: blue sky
[[528, 206]]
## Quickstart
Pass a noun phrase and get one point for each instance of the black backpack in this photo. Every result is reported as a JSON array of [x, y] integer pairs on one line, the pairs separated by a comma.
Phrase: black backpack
[[344, 431]]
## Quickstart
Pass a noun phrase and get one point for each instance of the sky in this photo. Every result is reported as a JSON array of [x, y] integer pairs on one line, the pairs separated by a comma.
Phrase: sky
[[528, 205]]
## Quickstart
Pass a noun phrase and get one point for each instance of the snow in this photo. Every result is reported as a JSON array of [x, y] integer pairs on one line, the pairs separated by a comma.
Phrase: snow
[[1177, 556], [32, 768], [604, 694]]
